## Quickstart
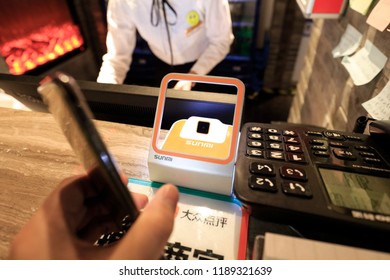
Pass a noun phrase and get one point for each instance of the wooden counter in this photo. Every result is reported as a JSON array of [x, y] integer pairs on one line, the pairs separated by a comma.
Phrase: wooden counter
[[35, 157]]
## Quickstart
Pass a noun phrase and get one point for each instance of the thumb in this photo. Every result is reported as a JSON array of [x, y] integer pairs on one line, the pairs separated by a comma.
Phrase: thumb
[[148, 235]]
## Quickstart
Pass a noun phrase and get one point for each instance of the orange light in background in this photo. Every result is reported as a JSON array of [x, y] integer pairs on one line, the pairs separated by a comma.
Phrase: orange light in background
[[59, 50], [49, 43]]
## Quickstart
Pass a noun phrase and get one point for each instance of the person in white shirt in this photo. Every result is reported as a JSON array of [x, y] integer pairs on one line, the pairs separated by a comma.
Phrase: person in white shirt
[[185, 35]]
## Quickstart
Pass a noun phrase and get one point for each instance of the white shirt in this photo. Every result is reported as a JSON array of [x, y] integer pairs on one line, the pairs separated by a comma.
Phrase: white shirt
[[201, 32]]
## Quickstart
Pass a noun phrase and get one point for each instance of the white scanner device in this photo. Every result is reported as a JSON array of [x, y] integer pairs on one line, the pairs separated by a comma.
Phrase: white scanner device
[[196, 152]]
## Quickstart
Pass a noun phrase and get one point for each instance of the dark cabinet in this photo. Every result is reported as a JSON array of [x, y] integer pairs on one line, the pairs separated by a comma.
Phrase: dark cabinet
[[242, 61]]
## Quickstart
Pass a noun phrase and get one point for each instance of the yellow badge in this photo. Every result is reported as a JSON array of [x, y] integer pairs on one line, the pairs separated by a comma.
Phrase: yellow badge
[[192, 18]]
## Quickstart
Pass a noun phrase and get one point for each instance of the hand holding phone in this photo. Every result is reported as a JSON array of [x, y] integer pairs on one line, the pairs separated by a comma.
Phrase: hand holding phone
[[66, 102]]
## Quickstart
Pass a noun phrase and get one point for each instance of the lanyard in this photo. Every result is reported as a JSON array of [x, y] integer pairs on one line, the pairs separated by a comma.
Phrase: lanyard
[[155, 15], [155, 18]]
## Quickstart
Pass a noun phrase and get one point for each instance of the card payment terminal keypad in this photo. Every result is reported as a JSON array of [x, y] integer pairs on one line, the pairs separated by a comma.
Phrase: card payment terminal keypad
[[278, 166]]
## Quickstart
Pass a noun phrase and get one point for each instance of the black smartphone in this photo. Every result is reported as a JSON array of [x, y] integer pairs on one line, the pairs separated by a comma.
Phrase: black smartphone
[[65, 100]]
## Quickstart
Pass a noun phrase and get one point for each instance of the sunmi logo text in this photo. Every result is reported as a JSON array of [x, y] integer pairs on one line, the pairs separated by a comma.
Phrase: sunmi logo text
[[163, 158], [199, 144]]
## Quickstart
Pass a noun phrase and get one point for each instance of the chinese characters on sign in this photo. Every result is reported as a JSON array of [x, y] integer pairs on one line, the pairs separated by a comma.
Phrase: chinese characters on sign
[[177, 251], [211, 220]]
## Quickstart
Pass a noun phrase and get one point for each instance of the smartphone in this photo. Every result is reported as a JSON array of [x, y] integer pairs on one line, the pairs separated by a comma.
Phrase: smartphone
[[61, 93]]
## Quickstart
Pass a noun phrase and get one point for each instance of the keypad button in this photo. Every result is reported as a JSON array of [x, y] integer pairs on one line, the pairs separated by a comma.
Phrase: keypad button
[[363, 148], [314, 133], [337, 144], [273, 131], [275, 155], [294, 148], [319, 148], [344, 154], [299, 158], [354, 138], [275, 146], [255, 144], [296, 189], [290, 133], [255, 135], [276, 138], [294, 173], [334, 135], [317, 142], [372, 160], [255, 153], [367, 154], [262, 168], [291, 140], [259, 183], [321, 154], [255, 129]]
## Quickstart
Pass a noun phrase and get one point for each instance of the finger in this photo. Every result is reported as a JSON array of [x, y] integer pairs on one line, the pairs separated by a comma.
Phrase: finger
[[183, 85], [147, 237], [124, 178], [140, 200], [187, 86], [177, 85]]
